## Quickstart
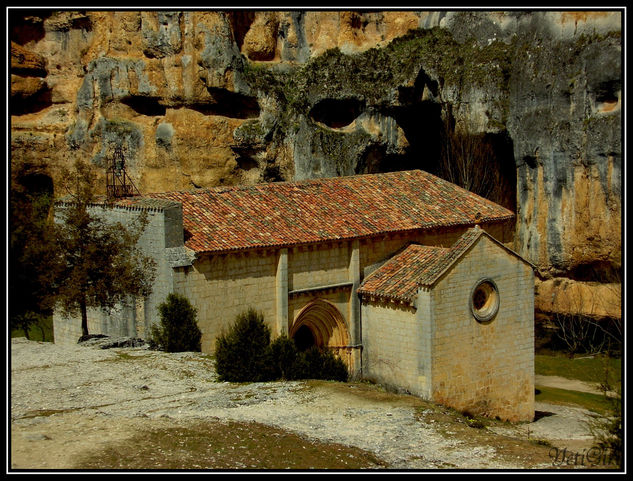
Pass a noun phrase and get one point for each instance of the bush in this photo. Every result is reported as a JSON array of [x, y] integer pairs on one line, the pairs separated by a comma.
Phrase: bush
[[332, 367], [178, 330], [284, 355], [243, 354], [316, 363]]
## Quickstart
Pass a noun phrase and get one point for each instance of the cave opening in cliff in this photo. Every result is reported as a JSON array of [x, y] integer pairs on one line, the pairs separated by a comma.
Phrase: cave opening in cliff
[[421, 123], [229, 104], [336, 113], [596, 271], [28, 25], [22, 105], [149, 106], [245, 162], [480, 162], [241, 21], [272, 173], [375, 159]]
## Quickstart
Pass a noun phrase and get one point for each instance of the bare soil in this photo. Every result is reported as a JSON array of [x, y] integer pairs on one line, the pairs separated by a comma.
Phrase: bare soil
[[82, 407]]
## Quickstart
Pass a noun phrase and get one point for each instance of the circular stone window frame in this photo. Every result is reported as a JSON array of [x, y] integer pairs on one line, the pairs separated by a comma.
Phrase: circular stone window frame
[[491, 306]]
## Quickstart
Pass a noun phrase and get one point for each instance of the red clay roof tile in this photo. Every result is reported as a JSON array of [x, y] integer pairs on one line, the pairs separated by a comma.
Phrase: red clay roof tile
[[416, 266], [292, 213]]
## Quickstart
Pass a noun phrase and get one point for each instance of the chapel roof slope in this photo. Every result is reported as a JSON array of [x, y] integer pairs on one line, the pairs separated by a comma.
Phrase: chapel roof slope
[[420, 266], [280, 214], [399, 278]]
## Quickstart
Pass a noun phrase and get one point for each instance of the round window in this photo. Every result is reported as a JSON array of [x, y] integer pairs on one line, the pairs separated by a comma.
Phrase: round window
[[484, 300]]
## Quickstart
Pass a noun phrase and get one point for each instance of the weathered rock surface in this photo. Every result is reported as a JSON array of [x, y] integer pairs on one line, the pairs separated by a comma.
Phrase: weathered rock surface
[[203, 98]]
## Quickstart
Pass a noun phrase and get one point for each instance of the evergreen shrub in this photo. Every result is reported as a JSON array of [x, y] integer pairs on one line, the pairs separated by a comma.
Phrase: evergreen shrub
[[315, 363], [245, 354], [178, 330], [284, 355]]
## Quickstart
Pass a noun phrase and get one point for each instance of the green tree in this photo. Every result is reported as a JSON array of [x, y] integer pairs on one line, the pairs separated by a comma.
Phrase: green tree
[[178, 330], [33, 262], [101, 264]]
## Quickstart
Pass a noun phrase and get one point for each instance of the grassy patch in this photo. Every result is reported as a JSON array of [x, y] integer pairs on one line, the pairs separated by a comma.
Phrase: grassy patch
[[588, 369], [121, 356], [232, 445], [594, 402], [41, 331]]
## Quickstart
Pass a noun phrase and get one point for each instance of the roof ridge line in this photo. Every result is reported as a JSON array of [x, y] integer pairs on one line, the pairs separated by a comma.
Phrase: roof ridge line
[[317, 180], [456, 252]]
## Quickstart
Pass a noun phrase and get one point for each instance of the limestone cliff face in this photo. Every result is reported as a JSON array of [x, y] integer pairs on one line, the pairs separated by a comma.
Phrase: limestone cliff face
[[197, 99]]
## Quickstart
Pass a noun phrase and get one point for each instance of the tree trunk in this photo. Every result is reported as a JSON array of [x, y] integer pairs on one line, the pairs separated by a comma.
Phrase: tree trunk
[[84, 317]]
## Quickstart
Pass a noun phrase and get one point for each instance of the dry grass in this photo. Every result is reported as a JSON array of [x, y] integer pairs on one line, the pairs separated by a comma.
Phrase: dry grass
[[216, 445]]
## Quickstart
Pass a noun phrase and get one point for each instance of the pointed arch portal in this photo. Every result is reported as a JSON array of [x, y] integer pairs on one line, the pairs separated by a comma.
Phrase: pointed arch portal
[[320, 324]]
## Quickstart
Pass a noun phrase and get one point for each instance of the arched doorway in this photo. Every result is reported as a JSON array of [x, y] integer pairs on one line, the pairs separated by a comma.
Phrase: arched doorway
[[304, 339], [320, 324]]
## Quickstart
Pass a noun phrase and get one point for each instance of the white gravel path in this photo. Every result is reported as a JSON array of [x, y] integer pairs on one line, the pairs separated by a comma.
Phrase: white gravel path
[[84, 397]]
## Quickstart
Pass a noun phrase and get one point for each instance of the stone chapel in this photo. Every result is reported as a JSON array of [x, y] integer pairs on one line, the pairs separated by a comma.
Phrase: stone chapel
[[408, 278]]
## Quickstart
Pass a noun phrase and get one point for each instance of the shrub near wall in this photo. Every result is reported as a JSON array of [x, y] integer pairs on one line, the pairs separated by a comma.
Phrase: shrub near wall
[[245, 354], [178, 329]]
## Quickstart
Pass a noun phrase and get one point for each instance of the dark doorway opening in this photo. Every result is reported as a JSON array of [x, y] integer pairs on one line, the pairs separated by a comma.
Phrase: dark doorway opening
[[304, 339]]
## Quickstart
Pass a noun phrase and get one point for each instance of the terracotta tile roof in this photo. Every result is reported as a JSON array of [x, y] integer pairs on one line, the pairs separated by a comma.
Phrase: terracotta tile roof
[[398, 278], [292, 213], [416, 266]]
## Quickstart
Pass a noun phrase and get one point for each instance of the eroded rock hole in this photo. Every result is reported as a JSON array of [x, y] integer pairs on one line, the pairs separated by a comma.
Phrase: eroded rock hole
[[229, 104], [272, 174], [503, 170], [304, 339], [415, 94], [457, 156], [375, 160], [607, 92], [246, 163], [597, 271], [28, 26], [530, 161], [27, 104], [38, 183], [422, 126], [145, 106], [241, 21], [336, 113]]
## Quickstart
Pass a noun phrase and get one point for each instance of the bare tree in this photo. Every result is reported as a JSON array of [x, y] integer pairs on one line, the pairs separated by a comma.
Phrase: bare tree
[[468, 159], [580, 334]]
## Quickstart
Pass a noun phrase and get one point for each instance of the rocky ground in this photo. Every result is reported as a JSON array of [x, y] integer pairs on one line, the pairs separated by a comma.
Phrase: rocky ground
[[71, 404]]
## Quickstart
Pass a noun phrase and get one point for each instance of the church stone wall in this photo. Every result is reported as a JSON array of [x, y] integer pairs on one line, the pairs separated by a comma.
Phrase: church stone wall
[[318, 265], [485, 367], [221, 287], [393, 349]]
